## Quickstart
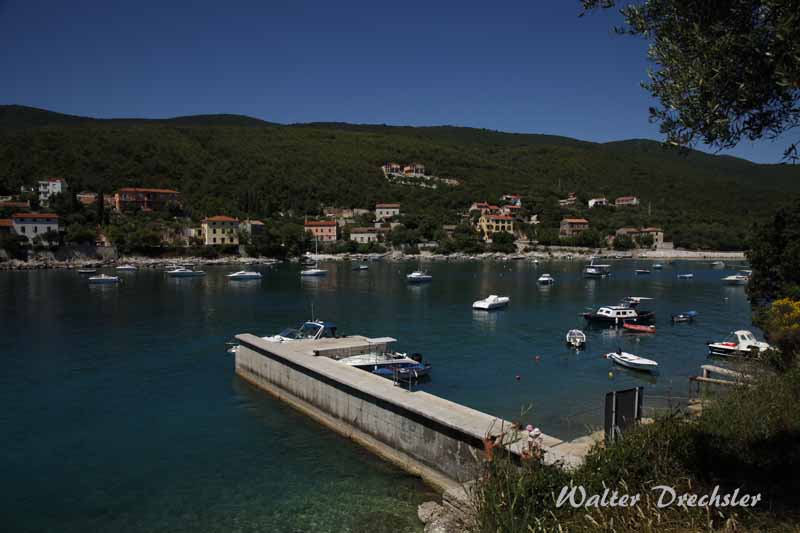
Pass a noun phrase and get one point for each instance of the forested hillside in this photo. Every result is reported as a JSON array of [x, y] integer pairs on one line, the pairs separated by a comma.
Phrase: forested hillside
[[244, 166]]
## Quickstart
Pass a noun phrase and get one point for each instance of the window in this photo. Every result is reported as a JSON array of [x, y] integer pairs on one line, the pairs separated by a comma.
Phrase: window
[[36, 229], [22, 229], [214, 240]]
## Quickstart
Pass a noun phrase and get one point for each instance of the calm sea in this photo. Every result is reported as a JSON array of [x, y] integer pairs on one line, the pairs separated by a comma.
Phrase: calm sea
[[121, 411]]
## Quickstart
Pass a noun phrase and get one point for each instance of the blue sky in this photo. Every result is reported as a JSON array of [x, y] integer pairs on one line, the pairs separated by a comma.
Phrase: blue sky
[[528, 66]]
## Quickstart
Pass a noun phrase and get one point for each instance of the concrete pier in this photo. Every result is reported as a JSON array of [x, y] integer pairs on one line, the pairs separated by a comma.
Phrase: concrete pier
[[426, 435]]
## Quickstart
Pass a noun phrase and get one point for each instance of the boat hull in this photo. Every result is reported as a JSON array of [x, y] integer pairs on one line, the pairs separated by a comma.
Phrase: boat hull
[[639, 328], [640, 364], [643, 317], [186, 274]]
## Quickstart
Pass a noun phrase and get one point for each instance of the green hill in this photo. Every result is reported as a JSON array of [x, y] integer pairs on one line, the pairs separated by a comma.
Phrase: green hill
[[244, 166]]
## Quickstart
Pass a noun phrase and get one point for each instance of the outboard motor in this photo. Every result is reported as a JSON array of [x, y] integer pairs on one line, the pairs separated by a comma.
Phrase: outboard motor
[[416, 356]]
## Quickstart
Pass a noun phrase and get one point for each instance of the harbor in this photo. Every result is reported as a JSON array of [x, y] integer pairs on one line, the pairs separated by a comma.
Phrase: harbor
[[148, 410]]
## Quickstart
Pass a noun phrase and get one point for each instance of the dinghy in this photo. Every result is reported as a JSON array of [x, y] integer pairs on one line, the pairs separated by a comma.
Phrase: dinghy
[[632, 361], [492, 302], [576, 338], [639, 328]]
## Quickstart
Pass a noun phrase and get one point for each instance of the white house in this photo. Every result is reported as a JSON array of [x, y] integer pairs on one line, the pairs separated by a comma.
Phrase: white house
[[364, 235], [386, 211], [49, 187], [220, 229], [32, 225], [596, 202]]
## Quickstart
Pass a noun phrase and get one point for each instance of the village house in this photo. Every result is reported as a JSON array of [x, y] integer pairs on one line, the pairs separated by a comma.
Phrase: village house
[[512, 199], [364, 235], [414, 170], [571, 227], [597, 202], [626, 201], [510, 210], [86, 197], [49, 187], [636, 234], [220, 229], [144, 198], [392, 168], [485, 208], [569, 200], [322, 230], [386, 211], [252, 227], [31, 225], [490, 224]]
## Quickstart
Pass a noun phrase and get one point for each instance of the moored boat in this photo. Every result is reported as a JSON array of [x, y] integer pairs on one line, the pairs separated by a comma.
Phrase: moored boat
[[685, 276], [639, 328], [641, 271], [617, 315], [126, 268], [310, 330], [632, 361], [545, 279], [493, 301], [738, 343], [86, 270], [182, 272], [362, 266], [658, 266], [314, 269], [244, 275], [687, 316], [736, 279], [104, 279], [419, 276], [576, 338], [593, 270], [717, 264]]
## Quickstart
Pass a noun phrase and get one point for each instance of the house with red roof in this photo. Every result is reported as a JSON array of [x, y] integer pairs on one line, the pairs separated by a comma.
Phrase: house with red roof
[[219, 230], [322, 230], [571, 227], [32, 225]]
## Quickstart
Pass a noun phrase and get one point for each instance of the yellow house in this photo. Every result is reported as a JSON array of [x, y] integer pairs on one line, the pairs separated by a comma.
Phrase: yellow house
[[219, 230], [490, 224]]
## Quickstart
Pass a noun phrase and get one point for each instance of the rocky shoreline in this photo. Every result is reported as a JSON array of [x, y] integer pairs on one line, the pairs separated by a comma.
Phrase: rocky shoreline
[[395, 256]]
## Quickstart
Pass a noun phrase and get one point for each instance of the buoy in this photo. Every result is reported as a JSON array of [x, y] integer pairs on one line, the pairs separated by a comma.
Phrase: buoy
[[610, 375]]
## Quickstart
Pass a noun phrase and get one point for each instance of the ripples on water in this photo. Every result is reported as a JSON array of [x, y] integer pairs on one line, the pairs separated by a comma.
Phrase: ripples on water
[[122, 412]]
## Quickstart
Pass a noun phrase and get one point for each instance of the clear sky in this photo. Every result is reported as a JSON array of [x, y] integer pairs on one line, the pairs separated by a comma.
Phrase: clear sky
[[521, 66]]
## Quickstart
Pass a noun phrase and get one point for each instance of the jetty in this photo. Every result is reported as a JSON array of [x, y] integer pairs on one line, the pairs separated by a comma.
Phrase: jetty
[[428, 436]]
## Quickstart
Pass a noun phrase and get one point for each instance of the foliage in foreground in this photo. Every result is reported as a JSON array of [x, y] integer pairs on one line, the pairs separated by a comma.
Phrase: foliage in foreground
[[748, 438]]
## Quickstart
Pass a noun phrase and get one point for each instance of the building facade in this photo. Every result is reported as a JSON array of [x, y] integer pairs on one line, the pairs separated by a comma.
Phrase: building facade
[[32, 225], [597, 202], [49, 187], [512, 199], [322, 230], [145, 199], [364, 235], [6, 225], [571, 227], [86, 197], [636, 234], [626, 201], [488, 225], [253, 227], [386, 211], [219, 230]]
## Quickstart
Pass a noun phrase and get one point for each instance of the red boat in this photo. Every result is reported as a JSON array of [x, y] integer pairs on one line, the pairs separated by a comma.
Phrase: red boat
[[641, 328]]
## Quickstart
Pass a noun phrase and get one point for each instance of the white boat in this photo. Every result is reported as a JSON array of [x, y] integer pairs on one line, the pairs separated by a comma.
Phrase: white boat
[[362, 266], [244, 275], [593, 270], [640, 271], [313, 269], [717, 264], [104, 279], [632, 361], [736, 279], [492, 302], [741, 343], [545, 279], [685, 276], [126, 268], [372, 361], [311, 330], [576, 338], [182, 272], [86, 270], [658, 266], [419, 276]]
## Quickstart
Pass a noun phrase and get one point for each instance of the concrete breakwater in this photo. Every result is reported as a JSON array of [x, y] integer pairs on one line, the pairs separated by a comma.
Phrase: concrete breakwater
[[436, 439]]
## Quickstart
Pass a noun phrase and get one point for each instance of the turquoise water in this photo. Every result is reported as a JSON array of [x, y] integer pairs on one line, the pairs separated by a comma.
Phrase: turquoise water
[[121, 411]]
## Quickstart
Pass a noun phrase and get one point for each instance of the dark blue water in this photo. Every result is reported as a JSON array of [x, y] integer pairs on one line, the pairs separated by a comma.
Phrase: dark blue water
[[121, 411]]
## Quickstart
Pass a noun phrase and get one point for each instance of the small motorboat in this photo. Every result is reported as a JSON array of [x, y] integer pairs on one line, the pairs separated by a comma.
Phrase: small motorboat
[[244, 275], [313, 272], [738, 343], [362, 266], [86, 270], [104, 279], [688, 316], [632, 361], [492, 302], [576, 338], [126, 268], [658, 266], [639, 328], [717, 264], [182, 272], [736, 279], [405, 372], [310, 330], [419, 276], [545, 279], [685, 276], [640, 271]]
